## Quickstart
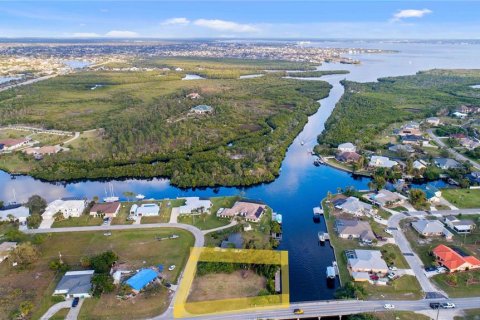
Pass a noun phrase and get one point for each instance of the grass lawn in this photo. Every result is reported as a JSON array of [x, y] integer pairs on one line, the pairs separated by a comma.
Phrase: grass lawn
[[403, 288], [378, 228], [165, 211], [399, 209], [61, 314], [37, 283], [83, 220], [472, 314], [123, 213], [459, 284], [385, 214], [210, 221], [463, 198], [217, 286], [399, 315]]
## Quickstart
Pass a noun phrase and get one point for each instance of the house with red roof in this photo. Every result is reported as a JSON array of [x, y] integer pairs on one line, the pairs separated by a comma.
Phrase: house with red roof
[[453, 260]]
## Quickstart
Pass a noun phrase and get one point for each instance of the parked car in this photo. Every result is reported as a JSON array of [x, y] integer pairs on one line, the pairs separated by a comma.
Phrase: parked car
[[171, 268], [448, 305], [388, 231], [441, 269], [75, 302], [373, 277], [430, 269], [434, 305], [298, 311], [389, 306], [392, 268], [391, 275]]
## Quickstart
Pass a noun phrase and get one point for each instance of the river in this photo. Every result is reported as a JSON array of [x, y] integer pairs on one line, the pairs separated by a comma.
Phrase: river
[[300, 186]]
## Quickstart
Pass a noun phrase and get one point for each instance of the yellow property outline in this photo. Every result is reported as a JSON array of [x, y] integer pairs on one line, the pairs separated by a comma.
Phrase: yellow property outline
[[182, 308]]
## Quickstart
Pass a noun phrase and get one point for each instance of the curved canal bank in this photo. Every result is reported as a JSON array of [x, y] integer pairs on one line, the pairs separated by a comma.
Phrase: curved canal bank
[[300, 186]]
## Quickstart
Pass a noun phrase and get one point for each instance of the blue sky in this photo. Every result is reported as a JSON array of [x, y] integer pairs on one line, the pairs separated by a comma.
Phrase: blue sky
[[244, 19]]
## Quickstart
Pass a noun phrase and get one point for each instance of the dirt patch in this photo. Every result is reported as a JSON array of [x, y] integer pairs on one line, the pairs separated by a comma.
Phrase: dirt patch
[[217, 286]]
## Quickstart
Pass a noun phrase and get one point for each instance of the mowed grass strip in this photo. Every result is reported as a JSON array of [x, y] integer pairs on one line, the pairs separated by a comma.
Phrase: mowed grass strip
[[463, 198]]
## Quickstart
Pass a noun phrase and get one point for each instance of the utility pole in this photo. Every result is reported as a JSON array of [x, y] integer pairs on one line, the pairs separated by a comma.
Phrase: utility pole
[[60, 257]]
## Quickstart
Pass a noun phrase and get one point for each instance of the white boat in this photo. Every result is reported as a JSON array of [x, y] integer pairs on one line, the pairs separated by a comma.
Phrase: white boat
[[331, 272], [321, 236], [111, 197], [140, 196], [302, 143]]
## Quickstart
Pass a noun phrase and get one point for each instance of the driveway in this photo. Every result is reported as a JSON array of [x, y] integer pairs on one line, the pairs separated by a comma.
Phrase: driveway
[[55, 308], [73, 313], [174, 215]]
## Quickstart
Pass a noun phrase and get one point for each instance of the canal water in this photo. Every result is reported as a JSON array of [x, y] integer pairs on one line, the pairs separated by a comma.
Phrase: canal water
[[300, 186]]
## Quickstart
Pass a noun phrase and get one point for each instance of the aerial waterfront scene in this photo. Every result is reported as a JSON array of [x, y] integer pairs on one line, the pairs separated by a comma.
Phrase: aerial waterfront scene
[[214, 167]]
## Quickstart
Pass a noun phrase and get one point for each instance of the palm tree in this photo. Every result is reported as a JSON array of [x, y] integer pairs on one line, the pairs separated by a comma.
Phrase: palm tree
[[129, 194]]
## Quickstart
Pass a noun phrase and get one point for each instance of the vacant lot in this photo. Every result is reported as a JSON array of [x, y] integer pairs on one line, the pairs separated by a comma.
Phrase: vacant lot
[[137, 247], [459, 284], [219, 286], [404, 288], [463, 198], [210, 221]]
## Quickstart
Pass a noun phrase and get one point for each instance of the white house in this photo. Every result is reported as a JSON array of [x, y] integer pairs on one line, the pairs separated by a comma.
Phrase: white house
[[346, 147], [145, 210], [459, 226], [419, 164], [68, 207], [430, 228], [366, 261], [12, 144], [460, 115], [382, 162], [195, 204], [433, 121], [75, 284], [354, 206]]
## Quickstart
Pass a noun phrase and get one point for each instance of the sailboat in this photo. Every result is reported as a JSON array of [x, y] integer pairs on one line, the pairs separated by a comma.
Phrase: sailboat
[[111, 197], [140, 196]]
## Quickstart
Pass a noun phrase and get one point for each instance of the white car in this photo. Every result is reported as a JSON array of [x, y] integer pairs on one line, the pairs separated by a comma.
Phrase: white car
[[393, 268], [448, 305], [389, 306], [388, 231], [171, 268]]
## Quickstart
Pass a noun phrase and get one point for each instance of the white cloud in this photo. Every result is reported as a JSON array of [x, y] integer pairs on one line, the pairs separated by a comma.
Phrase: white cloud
[[121, 34], [410, 13], [85, 35], [176, 21], [228, 26]]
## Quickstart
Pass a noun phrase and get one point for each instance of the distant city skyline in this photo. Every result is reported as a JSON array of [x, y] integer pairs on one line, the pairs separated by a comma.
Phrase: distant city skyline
[[241, 19]]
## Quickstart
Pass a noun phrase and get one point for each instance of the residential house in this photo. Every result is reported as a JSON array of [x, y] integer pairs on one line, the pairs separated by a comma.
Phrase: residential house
[[346, 147], [453, 260], [12, 144], [366, 261], [469, 143], [386, 198], [5, 249], [17, 212], [468, 109], [145, 210], [75, 284], [419, 164], [202, 109], [433, 121], [250, 211], [354, 229], [68, 207], [459, 226], [108, 209], [431, 228], [382, 162], [459, 115], [354, 206], [195, 205], [141, 279], [348, 157], [45, 150], [401, 148], [411, 128], [474, 177], [412, 139], [447, 163]]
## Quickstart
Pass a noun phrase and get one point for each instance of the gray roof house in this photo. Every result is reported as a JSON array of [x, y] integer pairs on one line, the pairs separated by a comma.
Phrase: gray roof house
[[381, 162], [366, 261], [145, 210], [354, 229], [446, 163], [428, 228], [347, 147], [459, 226], [354, 206], [75, 284], [385, 197]]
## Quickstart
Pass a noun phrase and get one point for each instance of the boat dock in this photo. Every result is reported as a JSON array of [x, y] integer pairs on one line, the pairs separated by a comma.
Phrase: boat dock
[[317, 211], [323, 236]]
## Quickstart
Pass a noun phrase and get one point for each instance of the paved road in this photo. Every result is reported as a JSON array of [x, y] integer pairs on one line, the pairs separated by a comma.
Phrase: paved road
[[55, 308], [447, 212], [27, 82], [336, 307], [412, 258], [197, 233], [455, 154]]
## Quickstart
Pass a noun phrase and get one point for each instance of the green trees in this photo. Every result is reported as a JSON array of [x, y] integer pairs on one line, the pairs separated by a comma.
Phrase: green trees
[[418, 199], [36, 204], [102, 283], [103, 262], [24, 255]]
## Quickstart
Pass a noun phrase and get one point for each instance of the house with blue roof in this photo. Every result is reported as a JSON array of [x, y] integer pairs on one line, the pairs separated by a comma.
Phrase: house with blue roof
[[432, 194], [140, 280]]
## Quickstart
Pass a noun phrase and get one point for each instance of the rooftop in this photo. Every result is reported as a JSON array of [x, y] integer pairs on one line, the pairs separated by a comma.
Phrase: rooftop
[[141, 279]]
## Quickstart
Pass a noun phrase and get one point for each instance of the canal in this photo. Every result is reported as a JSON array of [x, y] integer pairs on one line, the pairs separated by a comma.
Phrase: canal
[[300, 186]]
